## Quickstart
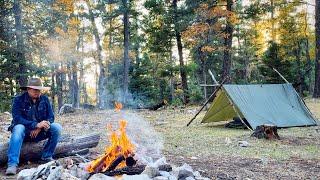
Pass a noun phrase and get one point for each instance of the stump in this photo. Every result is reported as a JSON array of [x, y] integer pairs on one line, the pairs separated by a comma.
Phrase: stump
[[67, 146], [266, 131]]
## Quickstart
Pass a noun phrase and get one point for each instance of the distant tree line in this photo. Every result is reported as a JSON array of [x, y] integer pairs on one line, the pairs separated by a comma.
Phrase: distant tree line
[[99, 52]]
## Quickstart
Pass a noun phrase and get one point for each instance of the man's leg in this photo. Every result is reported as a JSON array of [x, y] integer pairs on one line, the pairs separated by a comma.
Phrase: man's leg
[[15, 144], [53, 135], [16, 140]]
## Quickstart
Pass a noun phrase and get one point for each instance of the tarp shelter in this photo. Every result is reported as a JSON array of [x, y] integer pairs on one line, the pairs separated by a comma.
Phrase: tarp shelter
[[276, 104]]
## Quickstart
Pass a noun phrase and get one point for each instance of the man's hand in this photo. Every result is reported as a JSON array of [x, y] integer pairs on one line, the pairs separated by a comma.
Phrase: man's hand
[[34, 133], [43, 124]]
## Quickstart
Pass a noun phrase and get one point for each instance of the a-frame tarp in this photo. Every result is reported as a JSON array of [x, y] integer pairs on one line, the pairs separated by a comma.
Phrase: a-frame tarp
[[277, 104]]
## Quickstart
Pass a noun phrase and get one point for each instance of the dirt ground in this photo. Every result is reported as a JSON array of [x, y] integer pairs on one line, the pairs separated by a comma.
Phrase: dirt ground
[[211, 149]]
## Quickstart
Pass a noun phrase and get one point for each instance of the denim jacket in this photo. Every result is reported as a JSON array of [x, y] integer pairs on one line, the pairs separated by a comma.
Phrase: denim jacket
[[24, 113]]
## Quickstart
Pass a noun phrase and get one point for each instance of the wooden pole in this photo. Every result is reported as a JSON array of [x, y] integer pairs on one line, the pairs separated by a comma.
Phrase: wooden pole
[[211, 96], [280, 75]]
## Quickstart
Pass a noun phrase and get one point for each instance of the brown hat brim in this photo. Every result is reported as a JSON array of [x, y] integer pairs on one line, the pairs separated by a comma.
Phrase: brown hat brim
[[36, 87]]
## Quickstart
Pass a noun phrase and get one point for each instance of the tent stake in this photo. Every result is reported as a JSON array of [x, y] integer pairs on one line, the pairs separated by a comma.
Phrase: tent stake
[[212, 95]]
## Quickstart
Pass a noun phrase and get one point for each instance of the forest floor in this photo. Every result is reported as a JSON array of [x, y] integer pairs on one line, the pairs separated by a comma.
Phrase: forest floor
[[211, 149]]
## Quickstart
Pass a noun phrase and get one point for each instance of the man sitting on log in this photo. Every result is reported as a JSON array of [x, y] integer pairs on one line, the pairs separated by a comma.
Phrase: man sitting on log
[[33, 121]]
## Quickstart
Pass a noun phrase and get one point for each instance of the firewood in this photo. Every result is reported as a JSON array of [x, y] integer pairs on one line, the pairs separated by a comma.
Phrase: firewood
[[266, 131], [116, 162], [67, 146], [126, 170]]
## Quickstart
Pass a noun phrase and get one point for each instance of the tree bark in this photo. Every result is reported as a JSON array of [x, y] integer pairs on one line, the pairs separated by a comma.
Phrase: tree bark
[[183, 73], [226, 67], [59, 86], [316, 92], [75, 85], [126, 60], [22, 75], [101, 77], [67, 146]]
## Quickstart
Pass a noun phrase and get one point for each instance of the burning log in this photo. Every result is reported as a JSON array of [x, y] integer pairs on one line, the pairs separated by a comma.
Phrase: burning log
[[116, 162], [126, 170], [266, 131], [67, 146]]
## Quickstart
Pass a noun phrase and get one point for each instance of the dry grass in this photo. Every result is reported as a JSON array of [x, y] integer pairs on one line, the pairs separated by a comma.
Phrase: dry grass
[[212, 149]]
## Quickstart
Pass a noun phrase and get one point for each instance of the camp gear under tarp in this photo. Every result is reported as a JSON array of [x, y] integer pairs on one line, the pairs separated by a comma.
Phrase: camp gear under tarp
[[276, 104]]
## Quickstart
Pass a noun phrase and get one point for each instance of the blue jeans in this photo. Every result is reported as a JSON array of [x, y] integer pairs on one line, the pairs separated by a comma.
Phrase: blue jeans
[[20, 134]]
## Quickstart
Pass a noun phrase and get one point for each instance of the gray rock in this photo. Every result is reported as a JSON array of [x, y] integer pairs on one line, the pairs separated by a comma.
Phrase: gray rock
[[183, 172], [189, 178], [243, 143], [68, 176], [82, 174], [164, 173], [101, 176], [136, 177], [161, 161], [55, 173], [172, 177], [26, 174], [151, 171], [160, 178]]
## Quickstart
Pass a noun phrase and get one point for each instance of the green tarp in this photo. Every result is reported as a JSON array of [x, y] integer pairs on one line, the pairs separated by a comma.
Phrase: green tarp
[[277, 104]]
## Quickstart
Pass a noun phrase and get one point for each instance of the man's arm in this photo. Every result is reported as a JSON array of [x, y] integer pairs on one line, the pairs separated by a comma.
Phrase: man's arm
[[50, 111], [17, 116]]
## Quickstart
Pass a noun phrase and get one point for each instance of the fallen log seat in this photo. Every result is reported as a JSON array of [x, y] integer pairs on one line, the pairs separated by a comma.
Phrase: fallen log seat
[[67, 146]]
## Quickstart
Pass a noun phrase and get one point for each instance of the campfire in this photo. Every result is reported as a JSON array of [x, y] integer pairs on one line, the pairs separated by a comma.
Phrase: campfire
[[118, 155], [121, 159]]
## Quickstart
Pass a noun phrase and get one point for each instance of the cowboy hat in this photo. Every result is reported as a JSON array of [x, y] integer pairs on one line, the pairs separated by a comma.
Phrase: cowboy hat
[[35, 83]]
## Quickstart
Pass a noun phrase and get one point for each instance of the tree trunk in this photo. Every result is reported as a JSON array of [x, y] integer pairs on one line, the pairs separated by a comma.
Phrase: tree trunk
[[226, 67], [126, 60], [300, 78], [53, 88], [22, 75], [70, 82], [67, 146], [101, 79], [316, 92], [75, 85], [59, 86], [183, 73]]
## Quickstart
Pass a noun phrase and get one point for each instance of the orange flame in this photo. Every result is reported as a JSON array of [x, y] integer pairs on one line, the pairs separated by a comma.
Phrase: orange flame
[[120, 146], [117, 106]]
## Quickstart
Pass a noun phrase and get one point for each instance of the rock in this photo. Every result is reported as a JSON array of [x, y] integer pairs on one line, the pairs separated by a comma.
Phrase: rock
[[82, 174], [165, 167], [160, 178], [172, 177], [73, 171], [161, 161], [136, 177], [183, 172], [164, 173], [196, 174], [243, 143], [189, 178], [55, 173], [101, 176], [202, 178], [67, 108], [68, 176], [151, 171], [43, 170], [26, 174]]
